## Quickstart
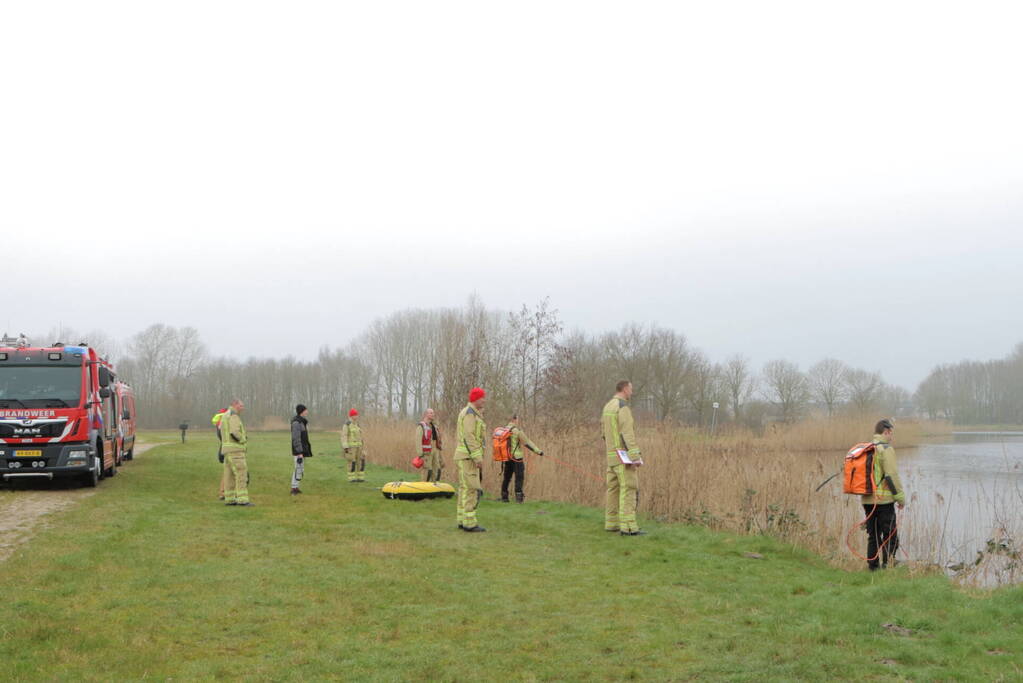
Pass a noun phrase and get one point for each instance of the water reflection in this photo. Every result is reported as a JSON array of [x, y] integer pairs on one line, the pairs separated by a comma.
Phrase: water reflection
[[964, 492]]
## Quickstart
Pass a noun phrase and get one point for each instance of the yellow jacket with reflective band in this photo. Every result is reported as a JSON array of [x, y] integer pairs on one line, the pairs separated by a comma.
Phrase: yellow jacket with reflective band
[[351, 435], [619, 430], [471, 429], [518, 440], [885, 467], [232, 432]]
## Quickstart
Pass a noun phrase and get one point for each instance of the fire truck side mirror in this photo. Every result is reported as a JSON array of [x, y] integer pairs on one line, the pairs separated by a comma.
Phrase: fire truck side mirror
[[104, 376], [104, 393]]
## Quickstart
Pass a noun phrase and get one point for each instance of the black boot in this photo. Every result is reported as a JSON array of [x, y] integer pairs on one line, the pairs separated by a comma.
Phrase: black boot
[[519, 498]]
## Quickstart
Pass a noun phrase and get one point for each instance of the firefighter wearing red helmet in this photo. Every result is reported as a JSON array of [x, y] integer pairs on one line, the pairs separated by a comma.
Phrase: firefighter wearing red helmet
[[352, 445], [428, 445], [469, 459]]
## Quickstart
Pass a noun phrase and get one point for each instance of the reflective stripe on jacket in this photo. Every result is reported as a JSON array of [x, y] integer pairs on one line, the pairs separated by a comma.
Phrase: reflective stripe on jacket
[[232, 431], [619, 430], [518, 439], [351, 435], [425, 437], [470, 434], [886, 475]]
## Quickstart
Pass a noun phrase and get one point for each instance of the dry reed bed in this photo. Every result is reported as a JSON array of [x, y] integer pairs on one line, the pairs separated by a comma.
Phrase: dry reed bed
[[733, 481]]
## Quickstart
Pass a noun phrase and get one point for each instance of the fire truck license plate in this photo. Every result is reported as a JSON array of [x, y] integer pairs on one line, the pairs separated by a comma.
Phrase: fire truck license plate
[[28, 454]]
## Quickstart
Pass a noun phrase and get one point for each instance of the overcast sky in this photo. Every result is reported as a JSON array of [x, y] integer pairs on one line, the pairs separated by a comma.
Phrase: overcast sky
[[779, 179]]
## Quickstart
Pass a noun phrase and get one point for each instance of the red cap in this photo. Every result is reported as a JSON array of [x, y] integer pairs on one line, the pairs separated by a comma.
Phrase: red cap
[[476, 394], [353, 412]]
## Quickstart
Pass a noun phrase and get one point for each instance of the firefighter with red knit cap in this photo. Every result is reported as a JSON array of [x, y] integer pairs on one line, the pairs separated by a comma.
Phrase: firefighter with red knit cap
[[351, 443], [469, 459], [428, 437]]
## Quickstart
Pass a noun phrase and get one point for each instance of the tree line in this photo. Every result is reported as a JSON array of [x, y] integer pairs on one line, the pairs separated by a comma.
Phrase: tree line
[[975, 392], [418, 358]]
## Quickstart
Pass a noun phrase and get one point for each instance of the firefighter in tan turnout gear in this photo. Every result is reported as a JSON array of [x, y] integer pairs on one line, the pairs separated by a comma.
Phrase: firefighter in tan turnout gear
[[428, 443], [469, 458], [623, 460], [234, 443], [516, 466], [352, 445]]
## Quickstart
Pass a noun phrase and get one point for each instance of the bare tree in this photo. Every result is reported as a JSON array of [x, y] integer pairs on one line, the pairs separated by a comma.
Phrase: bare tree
[[161, 365], [827, 383], [703, 387], [673, 368], [739, 381], [932, 396], [863, 388], [786, 387]]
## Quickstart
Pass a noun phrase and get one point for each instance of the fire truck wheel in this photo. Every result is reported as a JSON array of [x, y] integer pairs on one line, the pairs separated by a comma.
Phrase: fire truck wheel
[[101, 471], [92, 478]]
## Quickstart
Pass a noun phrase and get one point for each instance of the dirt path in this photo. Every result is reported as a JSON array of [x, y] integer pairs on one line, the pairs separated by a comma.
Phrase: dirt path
[[22, 511]]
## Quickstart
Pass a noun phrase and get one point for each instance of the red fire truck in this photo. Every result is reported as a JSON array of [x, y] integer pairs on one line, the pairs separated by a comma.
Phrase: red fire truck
[[126, 425], [59, 413]]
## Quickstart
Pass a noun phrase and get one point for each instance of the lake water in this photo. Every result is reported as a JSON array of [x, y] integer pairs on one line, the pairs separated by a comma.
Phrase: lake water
[[963, 491]]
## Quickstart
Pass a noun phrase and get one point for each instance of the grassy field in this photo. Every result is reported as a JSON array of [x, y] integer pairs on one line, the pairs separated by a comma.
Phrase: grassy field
[[153, 578], [735, 482]]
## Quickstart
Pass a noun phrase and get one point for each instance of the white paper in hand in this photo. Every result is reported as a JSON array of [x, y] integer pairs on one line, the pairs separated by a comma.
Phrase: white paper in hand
[[624, 457]]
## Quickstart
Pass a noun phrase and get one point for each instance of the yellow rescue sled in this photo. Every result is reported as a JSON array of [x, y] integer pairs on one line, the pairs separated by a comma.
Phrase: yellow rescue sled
[[417, 490]]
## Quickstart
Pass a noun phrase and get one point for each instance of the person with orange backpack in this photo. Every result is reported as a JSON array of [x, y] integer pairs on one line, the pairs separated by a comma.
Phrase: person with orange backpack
[[508, 448], [872, 472]]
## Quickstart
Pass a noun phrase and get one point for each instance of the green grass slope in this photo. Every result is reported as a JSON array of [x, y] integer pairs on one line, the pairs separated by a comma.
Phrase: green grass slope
[[152, 577]]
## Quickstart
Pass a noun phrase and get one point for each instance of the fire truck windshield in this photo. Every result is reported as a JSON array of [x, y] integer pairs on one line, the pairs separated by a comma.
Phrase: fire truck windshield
[[38, 386]]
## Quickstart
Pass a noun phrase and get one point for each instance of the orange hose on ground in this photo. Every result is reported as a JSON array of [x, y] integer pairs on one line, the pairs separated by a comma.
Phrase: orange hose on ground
[[880, 547]]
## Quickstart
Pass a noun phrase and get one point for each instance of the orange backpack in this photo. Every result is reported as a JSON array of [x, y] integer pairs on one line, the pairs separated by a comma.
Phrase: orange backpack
[[858, 478], [502, 444]]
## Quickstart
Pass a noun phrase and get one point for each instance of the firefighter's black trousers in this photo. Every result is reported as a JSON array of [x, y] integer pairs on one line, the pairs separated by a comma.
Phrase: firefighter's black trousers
[[880, 526], [517, 468]]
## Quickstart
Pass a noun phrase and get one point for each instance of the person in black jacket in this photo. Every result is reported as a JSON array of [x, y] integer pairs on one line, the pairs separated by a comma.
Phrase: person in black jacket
[[300, 448]]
